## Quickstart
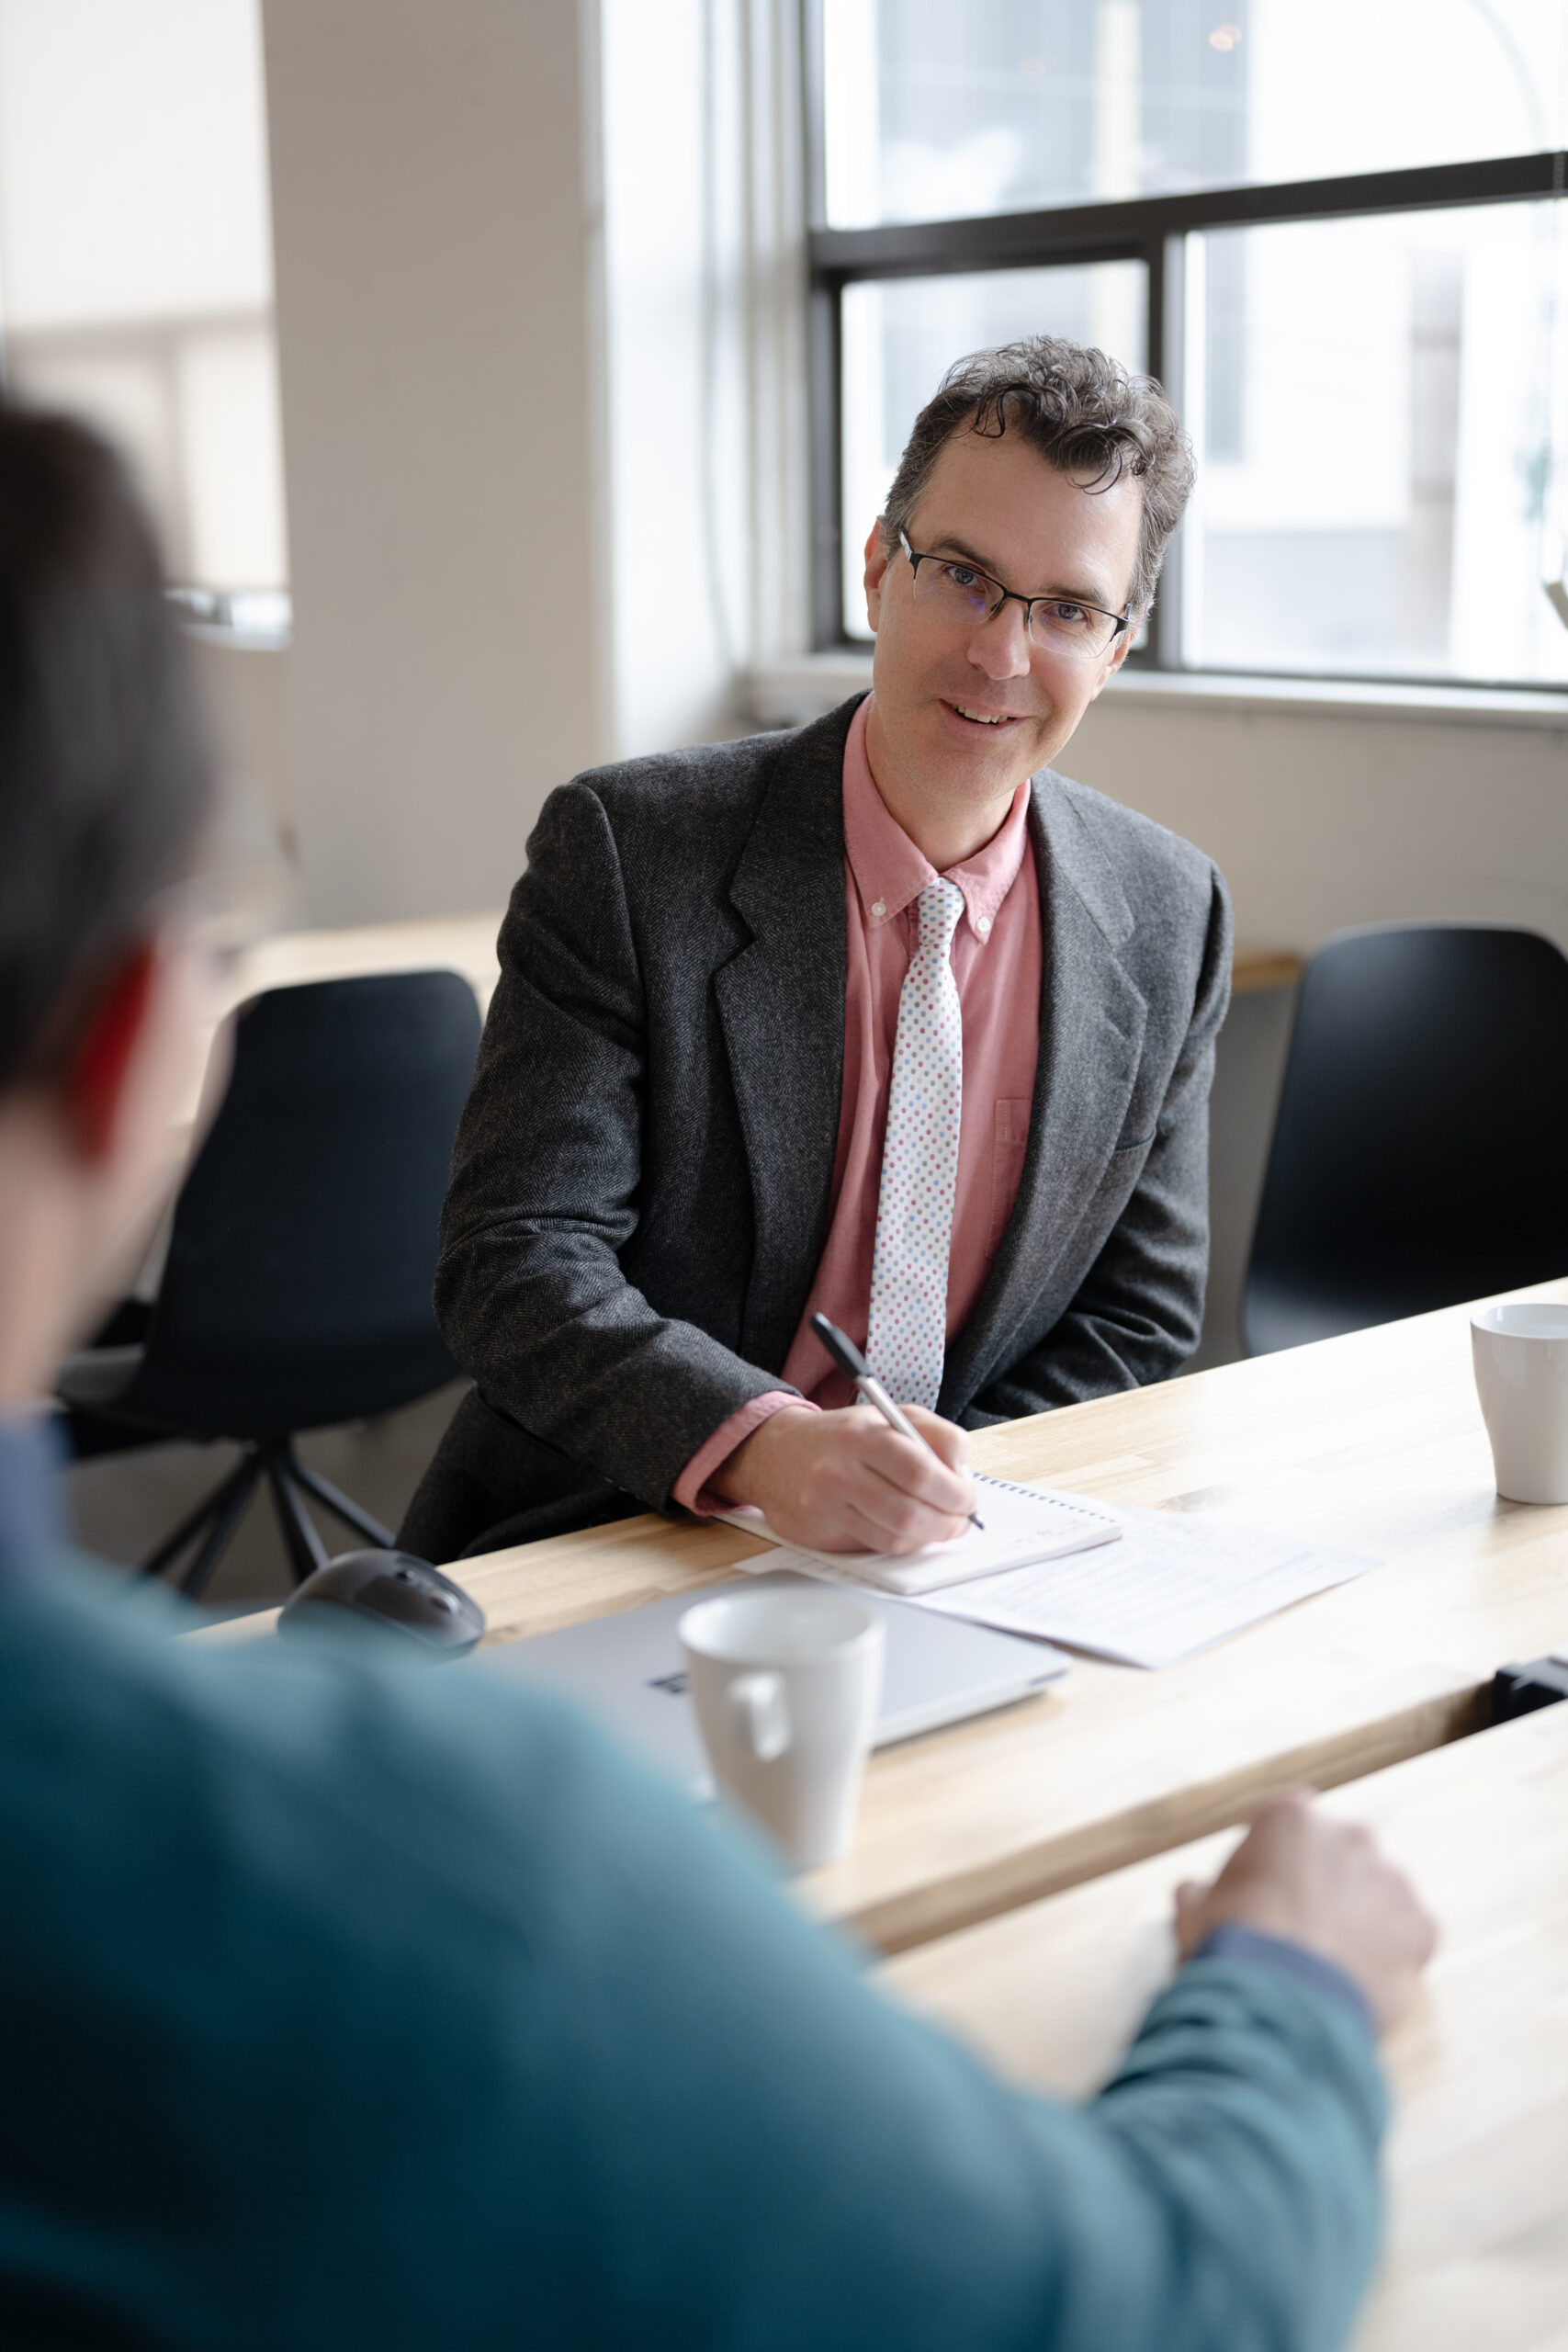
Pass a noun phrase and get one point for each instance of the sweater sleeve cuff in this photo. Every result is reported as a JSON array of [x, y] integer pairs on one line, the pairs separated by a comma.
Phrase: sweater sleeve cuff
[[1234, 1941], [689, 1489]]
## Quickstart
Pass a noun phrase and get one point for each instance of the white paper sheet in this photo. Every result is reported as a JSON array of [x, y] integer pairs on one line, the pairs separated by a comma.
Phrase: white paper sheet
[[1172, 1586]]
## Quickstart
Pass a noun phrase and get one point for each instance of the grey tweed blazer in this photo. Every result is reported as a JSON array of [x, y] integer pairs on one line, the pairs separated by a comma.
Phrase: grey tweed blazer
[[641, 1187]]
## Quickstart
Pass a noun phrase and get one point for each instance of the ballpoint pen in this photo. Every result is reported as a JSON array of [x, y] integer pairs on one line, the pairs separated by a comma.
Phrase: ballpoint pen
[[854, 1366]]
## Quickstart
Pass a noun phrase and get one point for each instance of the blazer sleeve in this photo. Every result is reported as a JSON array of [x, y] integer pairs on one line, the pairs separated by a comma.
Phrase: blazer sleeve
[[1138, 1314], [529, 1291]]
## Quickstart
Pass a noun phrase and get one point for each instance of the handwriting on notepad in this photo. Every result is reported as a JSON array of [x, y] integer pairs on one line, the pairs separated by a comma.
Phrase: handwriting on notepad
[[1023, 1524]]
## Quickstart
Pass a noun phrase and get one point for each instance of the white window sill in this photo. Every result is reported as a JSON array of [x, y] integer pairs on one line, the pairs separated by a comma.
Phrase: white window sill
[[252, 620], [785, 693], [1347, 697], [240, 640]]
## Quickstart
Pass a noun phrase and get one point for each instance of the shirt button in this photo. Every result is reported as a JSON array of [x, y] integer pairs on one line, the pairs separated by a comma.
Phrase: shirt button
[[981, 924], [879, 907]]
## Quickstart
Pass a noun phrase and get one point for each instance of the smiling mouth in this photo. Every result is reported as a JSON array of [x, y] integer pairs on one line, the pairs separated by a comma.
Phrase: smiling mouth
[[984, 718]]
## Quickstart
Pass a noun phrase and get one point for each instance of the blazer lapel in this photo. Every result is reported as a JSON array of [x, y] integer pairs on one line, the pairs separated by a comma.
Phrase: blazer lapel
[[1092, 1018], [781, 1001]]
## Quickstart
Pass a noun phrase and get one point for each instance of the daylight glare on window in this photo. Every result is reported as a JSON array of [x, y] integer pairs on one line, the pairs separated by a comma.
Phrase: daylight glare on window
[[1373, 405], [1378, 401], [136, 260], [934, 112]]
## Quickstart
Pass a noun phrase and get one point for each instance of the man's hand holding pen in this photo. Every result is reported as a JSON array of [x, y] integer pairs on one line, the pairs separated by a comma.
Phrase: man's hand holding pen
[[845, 1482]]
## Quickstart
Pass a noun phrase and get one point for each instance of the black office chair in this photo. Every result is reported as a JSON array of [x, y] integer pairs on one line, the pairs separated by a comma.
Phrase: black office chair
[[297, 1290], [1420, 1154]]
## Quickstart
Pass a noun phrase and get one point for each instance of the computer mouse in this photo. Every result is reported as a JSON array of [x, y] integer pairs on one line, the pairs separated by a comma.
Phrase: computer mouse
[[422, 1610]]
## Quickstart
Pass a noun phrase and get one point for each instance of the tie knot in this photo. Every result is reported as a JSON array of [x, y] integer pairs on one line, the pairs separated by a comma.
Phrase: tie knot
[[940, 907]]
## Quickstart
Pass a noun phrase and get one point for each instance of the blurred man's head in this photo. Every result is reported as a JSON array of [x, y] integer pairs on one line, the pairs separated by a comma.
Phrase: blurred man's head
[[105, 789], [1043, 469]]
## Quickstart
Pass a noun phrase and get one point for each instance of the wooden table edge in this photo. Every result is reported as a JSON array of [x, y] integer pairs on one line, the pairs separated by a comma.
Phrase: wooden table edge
[[1028, 1874]]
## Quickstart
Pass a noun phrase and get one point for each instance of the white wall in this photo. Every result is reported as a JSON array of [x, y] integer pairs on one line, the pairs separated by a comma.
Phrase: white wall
[[704, 273], [670, 397], [1320, 821], [245, 689], [435, 232]]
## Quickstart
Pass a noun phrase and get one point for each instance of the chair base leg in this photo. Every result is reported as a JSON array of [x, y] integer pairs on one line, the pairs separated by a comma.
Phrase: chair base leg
[[342, 1506], [215, 1508], [290, 1480], [307, 1552], [195, 1581]]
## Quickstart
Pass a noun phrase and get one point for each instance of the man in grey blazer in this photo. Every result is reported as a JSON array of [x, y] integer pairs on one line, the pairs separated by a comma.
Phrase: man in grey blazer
[[679, 1137]]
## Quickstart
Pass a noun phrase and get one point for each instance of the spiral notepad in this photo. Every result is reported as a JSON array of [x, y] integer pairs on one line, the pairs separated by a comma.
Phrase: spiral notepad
[[1023, 1526]]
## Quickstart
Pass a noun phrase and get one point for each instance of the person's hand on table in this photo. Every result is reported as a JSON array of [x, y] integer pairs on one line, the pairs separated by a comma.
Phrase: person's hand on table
[[845, 1482], [1311, 1879]]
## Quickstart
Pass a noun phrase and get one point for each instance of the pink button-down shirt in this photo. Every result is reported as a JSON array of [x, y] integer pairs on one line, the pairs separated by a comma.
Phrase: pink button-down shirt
[[997, 965]]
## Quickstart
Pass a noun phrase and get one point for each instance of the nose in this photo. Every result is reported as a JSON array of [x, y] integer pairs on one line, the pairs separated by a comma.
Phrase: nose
[[1000, 646]]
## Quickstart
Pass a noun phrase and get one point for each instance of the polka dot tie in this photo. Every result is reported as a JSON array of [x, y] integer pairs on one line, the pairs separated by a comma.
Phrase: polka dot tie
[[908, 1337]]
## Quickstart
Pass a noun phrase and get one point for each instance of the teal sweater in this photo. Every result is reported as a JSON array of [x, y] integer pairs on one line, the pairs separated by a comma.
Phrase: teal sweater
[[358, 2008]]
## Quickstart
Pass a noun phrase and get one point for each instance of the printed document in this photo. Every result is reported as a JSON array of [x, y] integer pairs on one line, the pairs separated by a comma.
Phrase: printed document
[[1172, 1585]]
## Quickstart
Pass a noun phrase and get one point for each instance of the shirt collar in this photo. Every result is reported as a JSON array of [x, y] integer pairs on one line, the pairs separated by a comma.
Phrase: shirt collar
[[33, 1529], [890, 872]]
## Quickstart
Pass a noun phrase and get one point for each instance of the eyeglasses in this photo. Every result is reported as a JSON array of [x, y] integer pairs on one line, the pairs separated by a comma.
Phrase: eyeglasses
[[961, 592]]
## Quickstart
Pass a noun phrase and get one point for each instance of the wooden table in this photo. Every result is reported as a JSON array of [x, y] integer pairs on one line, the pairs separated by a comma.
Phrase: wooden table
[[1374, 1442], [1252, 968], [1478, 2157], [464, 943]]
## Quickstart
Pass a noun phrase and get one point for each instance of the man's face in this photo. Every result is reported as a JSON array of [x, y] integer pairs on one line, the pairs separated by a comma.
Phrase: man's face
[[967, 712]]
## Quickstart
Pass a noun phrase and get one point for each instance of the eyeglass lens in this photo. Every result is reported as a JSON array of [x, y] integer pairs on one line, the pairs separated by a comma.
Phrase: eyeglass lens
[[964, 594]]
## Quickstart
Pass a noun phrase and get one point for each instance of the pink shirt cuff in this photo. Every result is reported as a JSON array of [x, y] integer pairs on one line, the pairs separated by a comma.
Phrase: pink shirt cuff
[[688, 1490]]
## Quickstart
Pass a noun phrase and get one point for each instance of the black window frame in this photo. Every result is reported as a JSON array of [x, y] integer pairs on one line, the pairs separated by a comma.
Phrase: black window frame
[[1147, 229]]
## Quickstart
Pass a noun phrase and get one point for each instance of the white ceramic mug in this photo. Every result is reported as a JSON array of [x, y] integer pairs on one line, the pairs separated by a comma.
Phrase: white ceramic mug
[[786, 1686], [1521, 1375]]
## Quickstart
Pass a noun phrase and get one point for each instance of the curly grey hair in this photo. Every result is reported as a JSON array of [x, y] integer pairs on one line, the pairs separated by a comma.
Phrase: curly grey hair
[[1084, 414]]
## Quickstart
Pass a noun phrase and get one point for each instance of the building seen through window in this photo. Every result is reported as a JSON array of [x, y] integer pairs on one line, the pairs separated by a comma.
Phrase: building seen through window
[[1378, 444], [1379, 397], [136, 267]]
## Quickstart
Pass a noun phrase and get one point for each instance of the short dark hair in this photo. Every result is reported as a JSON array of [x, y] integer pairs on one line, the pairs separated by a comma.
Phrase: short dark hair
[[1084, 414], [106, 779]]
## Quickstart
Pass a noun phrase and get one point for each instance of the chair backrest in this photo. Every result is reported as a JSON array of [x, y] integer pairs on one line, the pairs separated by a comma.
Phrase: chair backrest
[[302, 1259], [1420, 1154]]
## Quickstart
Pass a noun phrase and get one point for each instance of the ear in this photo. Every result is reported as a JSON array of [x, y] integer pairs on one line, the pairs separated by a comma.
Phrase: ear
[[877, 561], [1119, 653], [95, 1082]]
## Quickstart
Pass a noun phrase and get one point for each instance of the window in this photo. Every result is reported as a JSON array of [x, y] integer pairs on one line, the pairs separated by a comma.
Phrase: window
[[1336, 233], [136, 266]]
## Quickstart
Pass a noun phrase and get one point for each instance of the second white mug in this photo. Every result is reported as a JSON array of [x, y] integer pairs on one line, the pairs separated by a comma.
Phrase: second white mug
[[787, 1686], [1520, 1352]]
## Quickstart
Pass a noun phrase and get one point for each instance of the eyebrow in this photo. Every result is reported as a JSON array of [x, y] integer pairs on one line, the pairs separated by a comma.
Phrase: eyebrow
[[1098, 597]]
